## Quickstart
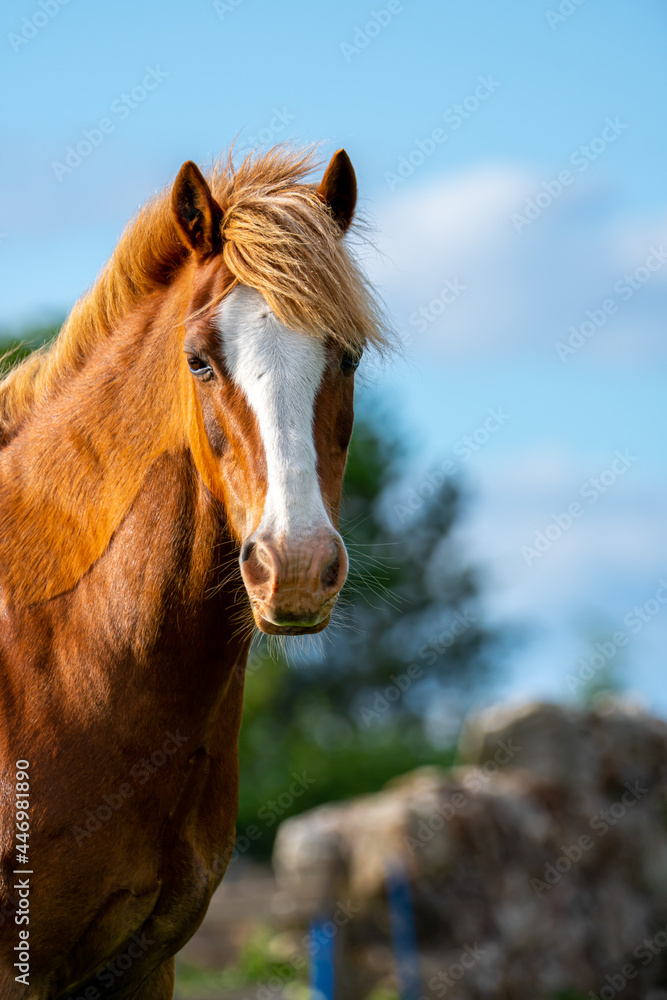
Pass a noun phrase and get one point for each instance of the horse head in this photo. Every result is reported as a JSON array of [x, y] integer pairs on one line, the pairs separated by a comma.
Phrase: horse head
[[272, 379]]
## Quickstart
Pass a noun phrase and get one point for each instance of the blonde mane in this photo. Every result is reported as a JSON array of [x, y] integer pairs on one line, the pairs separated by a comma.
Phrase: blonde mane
[[278, 237]]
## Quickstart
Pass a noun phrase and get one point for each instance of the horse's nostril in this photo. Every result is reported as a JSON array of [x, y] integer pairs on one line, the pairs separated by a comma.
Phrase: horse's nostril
[[247, 550], [329, 575]]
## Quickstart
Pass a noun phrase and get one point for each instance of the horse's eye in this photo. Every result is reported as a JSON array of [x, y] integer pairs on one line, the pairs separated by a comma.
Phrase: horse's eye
[[199, 367], [349, 363]]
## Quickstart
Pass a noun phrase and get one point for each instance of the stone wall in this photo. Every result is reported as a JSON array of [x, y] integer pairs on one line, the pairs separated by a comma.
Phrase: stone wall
[[538, 866]]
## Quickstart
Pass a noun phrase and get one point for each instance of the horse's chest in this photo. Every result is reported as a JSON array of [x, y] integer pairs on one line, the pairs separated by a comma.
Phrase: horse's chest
[[163, 886]]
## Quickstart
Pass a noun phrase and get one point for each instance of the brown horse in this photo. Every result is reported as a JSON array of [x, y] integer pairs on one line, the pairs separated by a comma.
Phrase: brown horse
[[170, 475]]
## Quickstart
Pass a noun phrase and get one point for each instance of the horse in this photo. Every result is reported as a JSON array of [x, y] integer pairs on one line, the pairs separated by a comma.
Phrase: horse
[[170, 478]]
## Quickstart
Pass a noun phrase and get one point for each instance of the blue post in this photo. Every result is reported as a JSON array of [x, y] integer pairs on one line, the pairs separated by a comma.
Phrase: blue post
[[322, 960], [403, 932]]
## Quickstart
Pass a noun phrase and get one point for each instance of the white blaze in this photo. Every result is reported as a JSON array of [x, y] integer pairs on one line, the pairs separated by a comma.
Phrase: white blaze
[[280, 371]]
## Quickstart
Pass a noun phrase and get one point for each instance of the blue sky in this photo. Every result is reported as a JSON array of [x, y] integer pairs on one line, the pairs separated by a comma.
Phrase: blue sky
[[548, 88]]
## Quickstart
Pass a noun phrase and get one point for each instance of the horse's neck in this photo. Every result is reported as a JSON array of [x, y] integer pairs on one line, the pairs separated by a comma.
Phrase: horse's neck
[[168, 587], [156, 634], [71, 474], [112, 550]]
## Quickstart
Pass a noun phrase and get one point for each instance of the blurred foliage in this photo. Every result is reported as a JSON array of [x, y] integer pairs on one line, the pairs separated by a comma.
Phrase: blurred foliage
[[384, 993], [345, 715], [264, 957], [15, 347]]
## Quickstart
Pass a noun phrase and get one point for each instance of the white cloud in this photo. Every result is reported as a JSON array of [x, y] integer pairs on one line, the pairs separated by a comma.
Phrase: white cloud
[[524, 290], [609, 559]]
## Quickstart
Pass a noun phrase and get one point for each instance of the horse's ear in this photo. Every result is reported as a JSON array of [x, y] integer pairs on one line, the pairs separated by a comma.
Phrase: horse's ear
[[196, 212], [338, 189]]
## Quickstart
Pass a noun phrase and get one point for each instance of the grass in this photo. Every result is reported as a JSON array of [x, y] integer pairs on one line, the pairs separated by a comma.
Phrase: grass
[[262, 960]]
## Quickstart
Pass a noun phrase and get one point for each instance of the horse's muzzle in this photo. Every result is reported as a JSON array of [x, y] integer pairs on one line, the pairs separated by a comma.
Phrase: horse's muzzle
[[293, 587]]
